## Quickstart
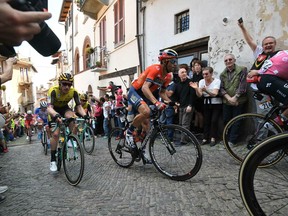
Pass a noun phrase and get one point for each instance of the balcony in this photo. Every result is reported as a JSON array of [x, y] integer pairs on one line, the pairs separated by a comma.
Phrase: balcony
[[94, 61], [92, 7]]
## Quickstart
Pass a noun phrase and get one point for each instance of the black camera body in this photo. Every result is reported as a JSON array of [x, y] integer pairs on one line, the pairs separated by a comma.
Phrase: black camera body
[[46, 42]]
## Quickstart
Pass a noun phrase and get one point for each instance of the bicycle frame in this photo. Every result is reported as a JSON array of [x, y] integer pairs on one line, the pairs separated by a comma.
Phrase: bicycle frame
[[154, 120]]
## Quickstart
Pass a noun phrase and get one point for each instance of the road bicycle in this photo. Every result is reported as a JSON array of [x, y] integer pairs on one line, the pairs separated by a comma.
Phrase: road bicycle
[[264, 191], [86, 135], [174, 150], [69, 152], [254, 128]]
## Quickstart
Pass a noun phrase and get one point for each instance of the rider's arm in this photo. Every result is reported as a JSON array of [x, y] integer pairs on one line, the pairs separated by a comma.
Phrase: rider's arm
[[248, 38], [147, 93]]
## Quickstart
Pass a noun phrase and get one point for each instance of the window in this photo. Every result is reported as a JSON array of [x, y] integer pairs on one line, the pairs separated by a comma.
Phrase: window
[[119, 22], [182, 22]]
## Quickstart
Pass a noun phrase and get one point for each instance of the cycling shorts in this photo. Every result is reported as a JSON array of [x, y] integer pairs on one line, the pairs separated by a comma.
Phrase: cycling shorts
[[274, 86], [136, 98]]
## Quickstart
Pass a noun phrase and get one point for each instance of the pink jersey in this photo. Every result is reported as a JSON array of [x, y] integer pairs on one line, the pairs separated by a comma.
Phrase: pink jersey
[[277, 65]]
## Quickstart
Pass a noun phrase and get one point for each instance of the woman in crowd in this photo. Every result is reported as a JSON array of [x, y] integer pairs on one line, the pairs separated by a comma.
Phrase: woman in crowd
[[209, 88]]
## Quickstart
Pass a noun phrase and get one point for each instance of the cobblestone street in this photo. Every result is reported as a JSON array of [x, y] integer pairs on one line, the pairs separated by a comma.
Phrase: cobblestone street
[[107, 189]]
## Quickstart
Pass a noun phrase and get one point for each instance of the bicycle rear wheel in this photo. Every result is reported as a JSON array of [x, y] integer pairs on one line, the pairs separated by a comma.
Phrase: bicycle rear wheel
[[73, 160], [264, 191], [118, 148], [254, 129], [88, 140], [175, 152]]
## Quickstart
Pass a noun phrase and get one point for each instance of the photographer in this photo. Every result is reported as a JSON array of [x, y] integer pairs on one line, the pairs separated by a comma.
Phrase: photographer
[[17, 26]]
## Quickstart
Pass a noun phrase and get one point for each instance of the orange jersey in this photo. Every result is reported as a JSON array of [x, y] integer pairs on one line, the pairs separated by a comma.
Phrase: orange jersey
[[154, 75]]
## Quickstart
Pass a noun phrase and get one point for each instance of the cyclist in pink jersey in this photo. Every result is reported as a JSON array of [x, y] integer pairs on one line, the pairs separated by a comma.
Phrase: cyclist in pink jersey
[[273, 76]]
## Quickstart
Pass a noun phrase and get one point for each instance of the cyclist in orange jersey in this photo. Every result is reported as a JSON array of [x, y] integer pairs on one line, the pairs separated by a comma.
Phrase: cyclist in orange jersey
[[155, 77]]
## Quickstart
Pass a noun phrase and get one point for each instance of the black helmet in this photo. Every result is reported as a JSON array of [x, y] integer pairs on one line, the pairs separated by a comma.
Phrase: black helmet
[[66, 77]]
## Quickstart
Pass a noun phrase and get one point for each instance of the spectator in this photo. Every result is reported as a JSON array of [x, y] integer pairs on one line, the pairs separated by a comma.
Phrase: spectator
[[209, 88], [198, 118], [261, 53], [192, 71], [119, 105], [106, 114], [98, 113], [111, 88], [233, 89], [169, 113], [16, 27], [184, 95]]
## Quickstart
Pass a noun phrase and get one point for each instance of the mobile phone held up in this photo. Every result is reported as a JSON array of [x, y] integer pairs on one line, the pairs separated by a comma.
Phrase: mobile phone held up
[[240, 20]]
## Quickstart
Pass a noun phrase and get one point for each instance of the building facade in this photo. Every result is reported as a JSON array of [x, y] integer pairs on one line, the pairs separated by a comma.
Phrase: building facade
[[114, 40]]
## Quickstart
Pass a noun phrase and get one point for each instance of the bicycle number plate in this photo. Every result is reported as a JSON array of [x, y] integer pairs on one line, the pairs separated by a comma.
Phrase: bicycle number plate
[[265, 105]]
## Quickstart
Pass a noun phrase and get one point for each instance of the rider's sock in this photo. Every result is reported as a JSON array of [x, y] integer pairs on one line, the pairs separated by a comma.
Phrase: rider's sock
[[53, 155]]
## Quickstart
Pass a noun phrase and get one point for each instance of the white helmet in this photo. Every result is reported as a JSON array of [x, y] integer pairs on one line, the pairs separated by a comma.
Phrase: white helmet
[[2, 120], [29, 112], [43, 104]]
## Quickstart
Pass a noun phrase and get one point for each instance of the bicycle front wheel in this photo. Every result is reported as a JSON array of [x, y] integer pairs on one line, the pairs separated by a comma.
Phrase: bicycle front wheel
[[119, 149], [175, 152], [73, 160], [264, 191], [254, 128], [88, 140]]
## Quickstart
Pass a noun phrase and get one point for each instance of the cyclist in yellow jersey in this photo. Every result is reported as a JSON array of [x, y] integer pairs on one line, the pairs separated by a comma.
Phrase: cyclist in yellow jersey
[[86, 105], [58, 99]]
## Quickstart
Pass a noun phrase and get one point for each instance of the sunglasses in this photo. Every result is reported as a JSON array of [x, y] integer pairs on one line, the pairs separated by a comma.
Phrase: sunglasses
[[173, 61], [226, 60], [205, 74], [66, 84]]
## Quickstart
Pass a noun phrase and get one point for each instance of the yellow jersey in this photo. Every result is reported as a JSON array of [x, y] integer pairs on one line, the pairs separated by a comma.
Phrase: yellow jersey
[[59, 100]]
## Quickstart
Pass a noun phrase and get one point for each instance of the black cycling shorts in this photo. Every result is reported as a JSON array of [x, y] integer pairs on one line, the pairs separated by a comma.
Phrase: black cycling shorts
[[274, 86]]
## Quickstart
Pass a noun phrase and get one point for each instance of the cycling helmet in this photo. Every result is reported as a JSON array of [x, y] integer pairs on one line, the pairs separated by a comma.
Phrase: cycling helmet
[[167, 54], [84, 97], [29, 112], [66, 77], [2, 120], [43, 104]]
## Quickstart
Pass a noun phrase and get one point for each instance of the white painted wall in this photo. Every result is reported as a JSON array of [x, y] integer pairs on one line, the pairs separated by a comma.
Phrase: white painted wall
[[261, 17]]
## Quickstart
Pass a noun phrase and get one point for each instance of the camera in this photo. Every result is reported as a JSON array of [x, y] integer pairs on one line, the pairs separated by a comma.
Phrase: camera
[[46, 42]]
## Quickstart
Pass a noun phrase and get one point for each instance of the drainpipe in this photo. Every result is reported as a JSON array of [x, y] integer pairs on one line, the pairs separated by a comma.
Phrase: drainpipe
[[139, 36], [137, 32]]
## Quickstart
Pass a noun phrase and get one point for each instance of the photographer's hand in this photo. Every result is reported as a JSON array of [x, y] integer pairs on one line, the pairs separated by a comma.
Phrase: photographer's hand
[[17, 26]]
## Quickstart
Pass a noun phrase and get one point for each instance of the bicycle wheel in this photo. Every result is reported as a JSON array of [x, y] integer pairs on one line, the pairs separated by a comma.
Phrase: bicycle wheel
[[254, 129], [73, 160], [175, 152], [88, 140], [264, 191], [119, 149]]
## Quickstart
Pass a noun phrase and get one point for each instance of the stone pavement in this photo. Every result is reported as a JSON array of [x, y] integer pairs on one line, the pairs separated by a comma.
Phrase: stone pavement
[[107, 189]]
